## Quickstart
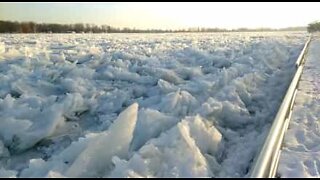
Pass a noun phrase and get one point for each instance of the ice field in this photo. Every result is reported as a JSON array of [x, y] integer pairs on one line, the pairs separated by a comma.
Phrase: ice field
[[140, 105]]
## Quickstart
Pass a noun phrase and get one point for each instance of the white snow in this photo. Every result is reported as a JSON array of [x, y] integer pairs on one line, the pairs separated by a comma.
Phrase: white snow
[[300, 156], [140, 105]]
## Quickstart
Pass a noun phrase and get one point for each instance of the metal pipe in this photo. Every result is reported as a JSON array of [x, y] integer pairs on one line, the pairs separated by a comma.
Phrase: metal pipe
[[301, 56]]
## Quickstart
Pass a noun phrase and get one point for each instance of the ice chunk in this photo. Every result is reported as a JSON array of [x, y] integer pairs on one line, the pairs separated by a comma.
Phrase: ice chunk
[[179, 103], [173, 154], [207, 137], [34, 168], [2, 48], [8, 173], [95, 160], [74, 105], [3, 150], [211, 108], [149, 125], [10, 127], [44, 125], [166, 87], [61, 162], [54, 174]]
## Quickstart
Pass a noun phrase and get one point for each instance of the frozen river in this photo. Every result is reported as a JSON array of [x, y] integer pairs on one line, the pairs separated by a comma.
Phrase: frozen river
[[140, 105]]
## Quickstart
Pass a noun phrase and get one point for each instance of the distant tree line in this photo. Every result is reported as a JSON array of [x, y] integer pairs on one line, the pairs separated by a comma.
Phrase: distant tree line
[[313, 27], [32, 27]]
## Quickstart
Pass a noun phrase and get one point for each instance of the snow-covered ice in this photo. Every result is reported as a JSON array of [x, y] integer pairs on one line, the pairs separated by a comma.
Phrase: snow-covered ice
[[300, 156], [140, 105]]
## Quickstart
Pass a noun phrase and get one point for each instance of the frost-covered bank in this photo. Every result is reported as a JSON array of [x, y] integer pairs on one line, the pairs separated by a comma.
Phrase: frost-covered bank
[[300, 156], [148, 105]]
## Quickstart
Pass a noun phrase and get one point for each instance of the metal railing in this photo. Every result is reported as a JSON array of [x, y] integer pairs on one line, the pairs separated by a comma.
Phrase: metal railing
[[301, 58], [266, 163]]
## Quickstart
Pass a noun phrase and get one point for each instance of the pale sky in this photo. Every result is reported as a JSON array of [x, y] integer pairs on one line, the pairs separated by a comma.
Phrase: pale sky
[[166, 15]]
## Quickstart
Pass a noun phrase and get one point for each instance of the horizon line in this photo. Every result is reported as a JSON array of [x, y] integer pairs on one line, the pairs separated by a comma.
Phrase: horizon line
[[164, 29]]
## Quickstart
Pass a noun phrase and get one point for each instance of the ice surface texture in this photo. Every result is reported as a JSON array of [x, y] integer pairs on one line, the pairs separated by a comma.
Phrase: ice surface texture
[[139, 105]]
